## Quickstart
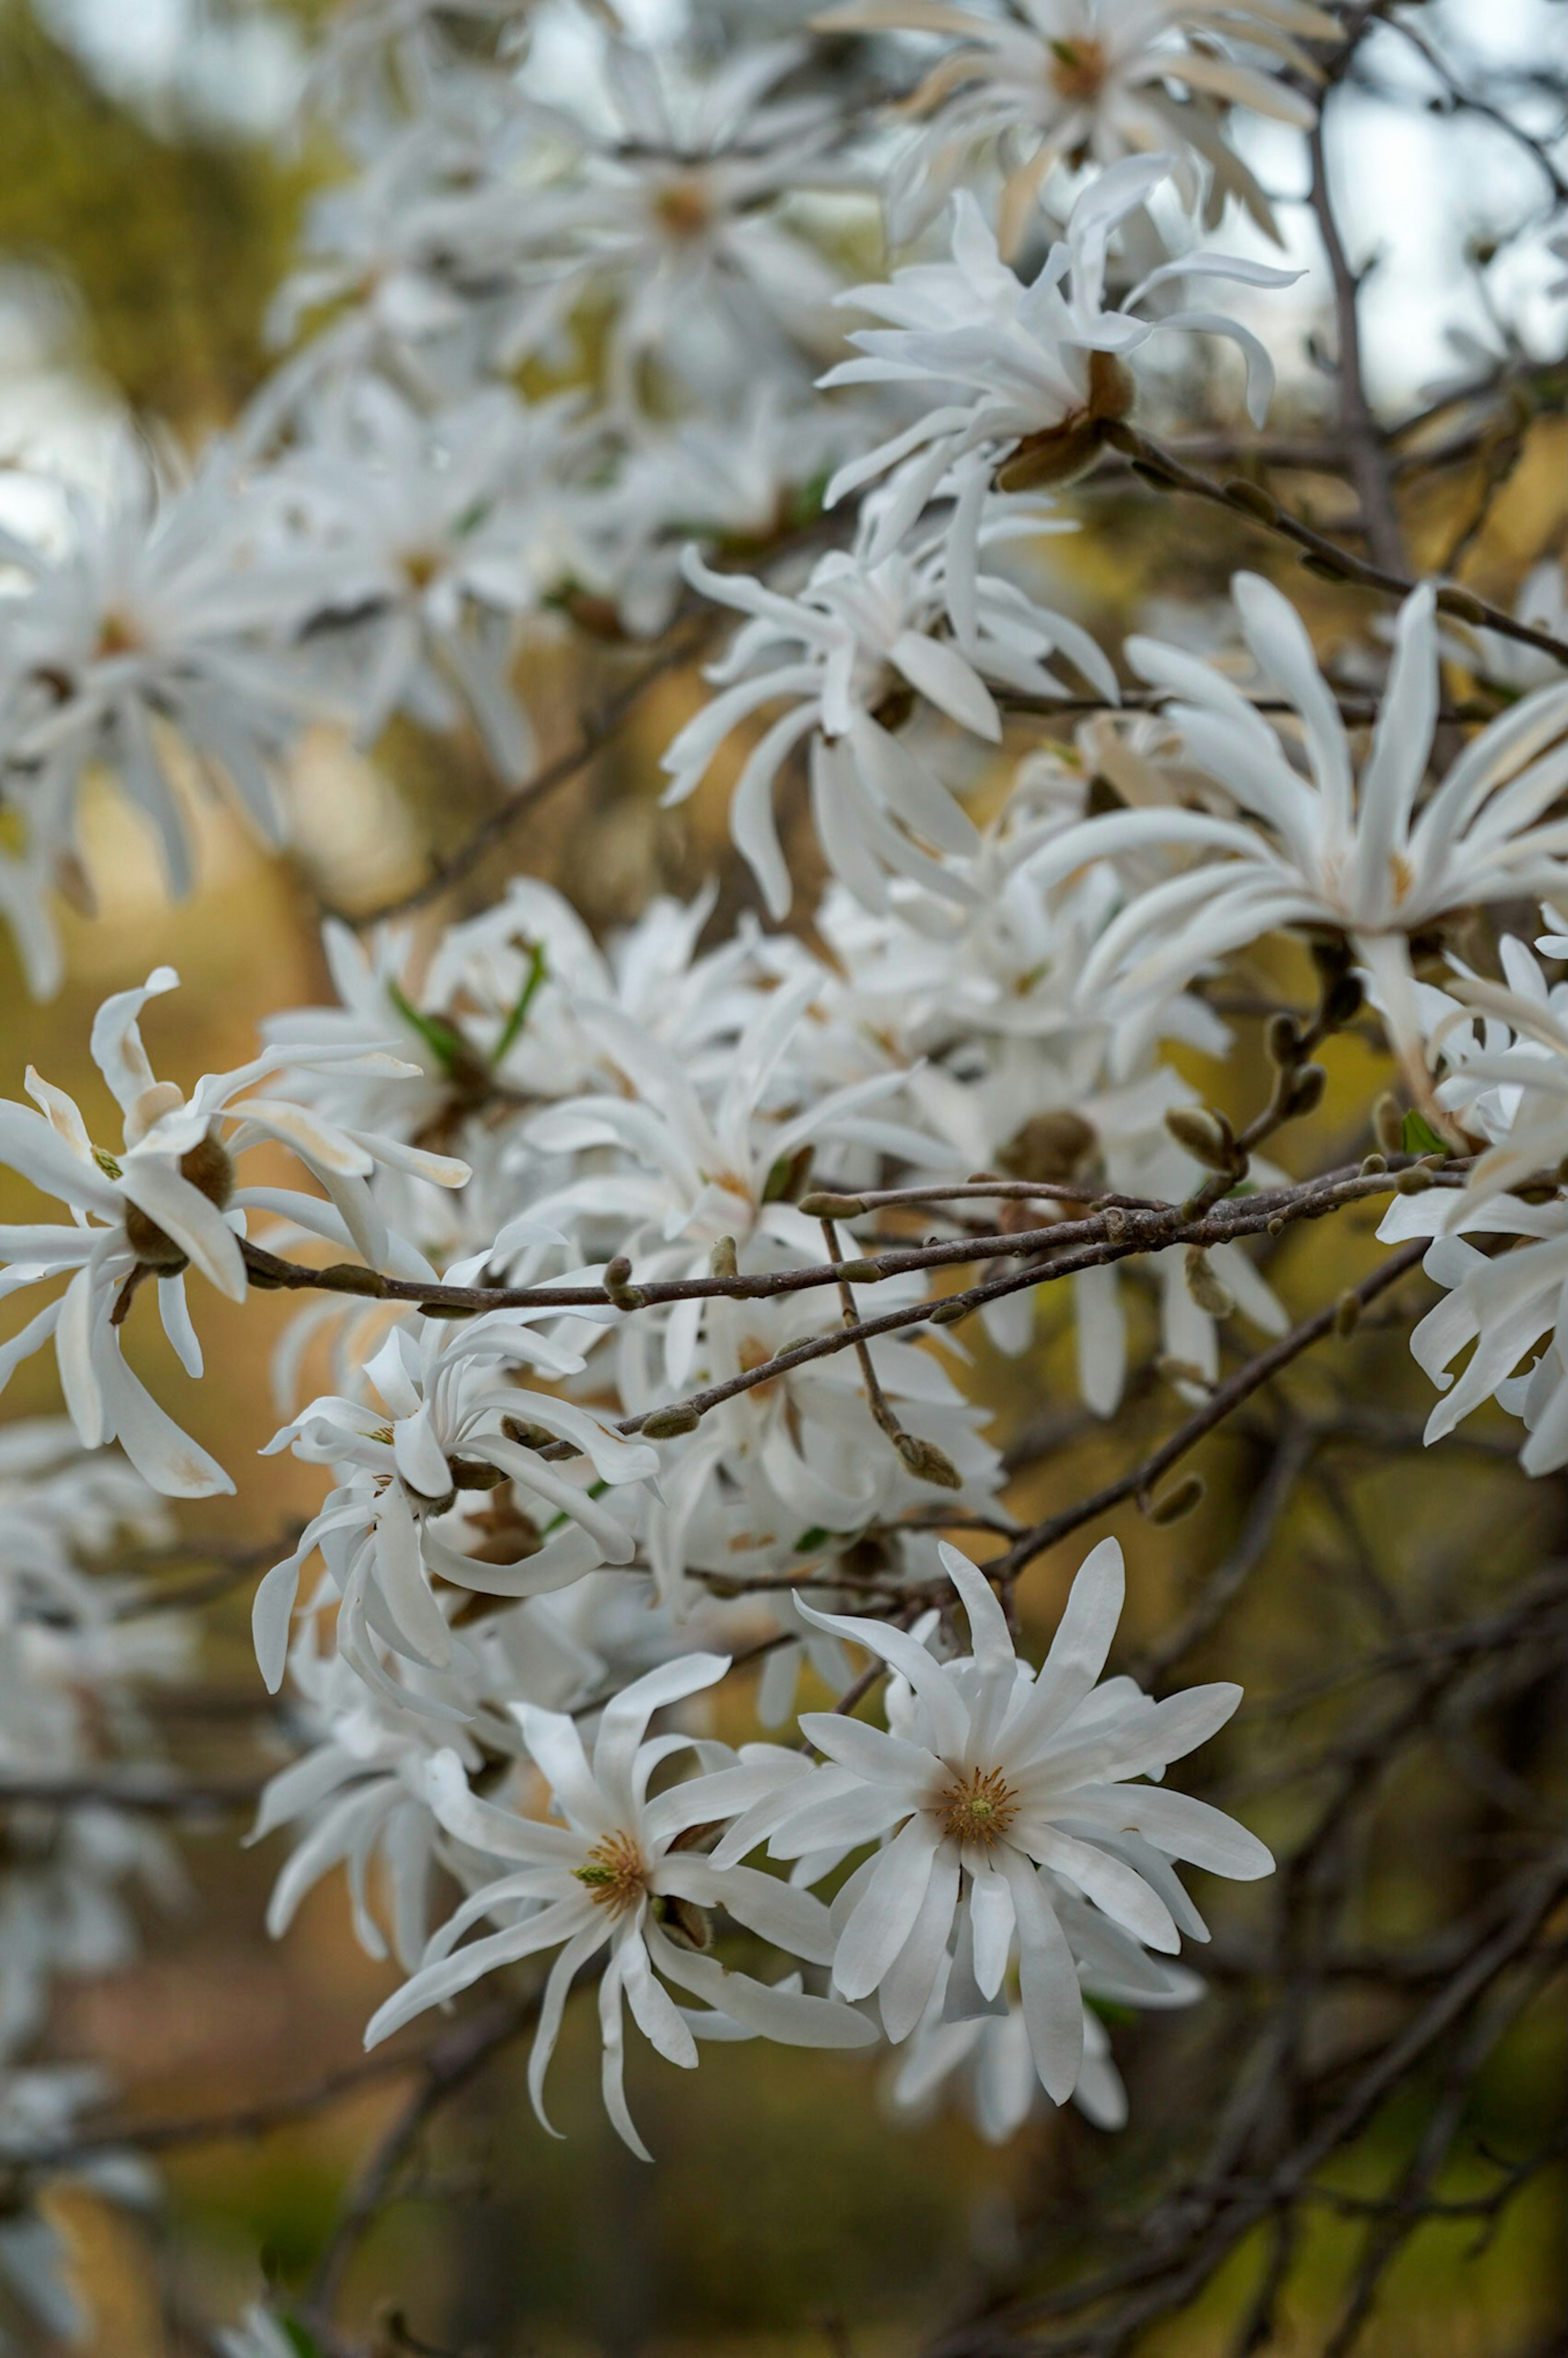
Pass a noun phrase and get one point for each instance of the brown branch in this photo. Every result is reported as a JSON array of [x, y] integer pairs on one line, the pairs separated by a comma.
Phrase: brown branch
[[1162, 468], [1357, 427], [1225, 1397], [444, 2067]]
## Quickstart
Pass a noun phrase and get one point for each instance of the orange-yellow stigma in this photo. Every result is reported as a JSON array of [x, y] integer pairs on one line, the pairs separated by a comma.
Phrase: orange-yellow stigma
[[978, 1807], [615, 1873]]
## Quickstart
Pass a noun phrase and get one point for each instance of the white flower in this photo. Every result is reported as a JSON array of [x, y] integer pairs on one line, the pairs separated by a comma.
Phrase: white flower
[[59, 1502], [428, 525], [357, 1792], [454, 1420], [845, 656], [987, 2055], [616, 1875], [1033, 373], [164, 1201], [1326, 848], [1063, 80], [801, 1456], [995, 1775], [697, 1165], [1508, 1082], [675, 216], [166, 609]]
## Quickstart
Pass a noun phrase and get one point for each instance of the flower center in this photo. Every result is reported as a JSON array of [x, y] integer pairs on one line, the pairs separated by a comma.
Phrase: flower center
[[685, 205], [117, 635], [978, 1807], [615, 1873], [1078, 70]]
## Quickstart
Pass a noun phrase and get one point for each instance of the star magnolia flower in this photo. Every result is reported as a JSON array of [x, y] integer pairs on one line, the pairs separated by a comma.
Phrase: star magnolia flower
[[989, 2059], [855, 645], [453, 1423], [1326, 850], [168, 1201], [1506, 1307], [1063, 80], [356, 1794], [997, 1775], [425, 523], [168, 605], [1508, 1085], [616, 1875], [676, 213], [693, 1171], [1035, 373]]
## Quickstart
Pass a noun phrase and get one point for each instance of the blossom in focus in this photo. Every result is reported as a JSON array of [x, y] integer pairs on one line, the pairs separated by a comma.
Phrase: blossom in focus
[[868, 635], [165, 1201], [1033, 373], [616, 1874], [454, 1420], [1360, 854], [986, 2057], [997, 1780], [1504, 1048]]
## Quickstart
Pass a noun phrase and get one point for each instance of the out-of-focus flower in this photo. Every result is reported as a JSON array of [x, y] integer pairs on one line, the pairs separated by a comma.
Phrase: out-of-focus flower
[[1068, 80]]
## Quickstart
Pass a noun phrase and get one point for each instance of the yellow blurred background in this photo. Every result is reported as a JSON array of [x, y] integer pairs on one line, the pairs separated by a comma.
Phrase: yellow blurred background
[[787, 2214]]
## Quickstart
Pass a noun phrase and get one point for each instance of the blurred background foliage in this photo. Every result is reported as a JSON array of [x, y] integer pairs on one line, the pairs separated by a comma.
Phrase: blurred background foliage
[[787, 2214]]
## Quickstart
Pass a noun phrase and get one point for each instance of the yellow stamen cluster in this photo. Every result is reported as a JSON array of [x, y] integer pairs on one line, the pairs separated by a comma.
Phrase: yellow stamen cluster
[[978, 1807], [615, 1873]]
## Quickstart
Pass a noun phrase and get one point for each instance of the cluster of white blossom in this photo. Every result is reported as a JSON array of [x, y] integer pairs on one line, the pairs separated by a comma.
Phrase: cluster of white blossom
[[75, 1648], [590, 1433]]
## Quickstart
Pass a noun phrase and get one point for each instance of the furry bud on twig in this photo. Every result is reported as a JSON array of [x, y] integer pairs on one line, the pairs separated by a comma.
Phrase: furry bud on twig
[[1204, 1286], [1207, 1136], [1282, 1039], [1414, 1182], [1463, 604], [665, 1423], [823, 1206], [1178, 1501], [948, 1313], [1389, 1124], [1347, 1312], [1252, 499], [619, 1287], [348, 1277], [1304, 1094], [721, 1260], [927, 1462]]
